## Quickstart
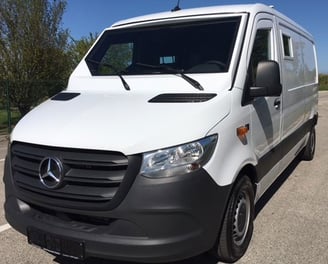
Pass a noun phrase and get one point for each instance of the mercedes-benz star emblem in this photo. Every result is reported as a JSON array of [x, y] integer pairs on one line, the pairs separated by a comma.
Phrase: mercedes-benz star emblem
[[51, 172]]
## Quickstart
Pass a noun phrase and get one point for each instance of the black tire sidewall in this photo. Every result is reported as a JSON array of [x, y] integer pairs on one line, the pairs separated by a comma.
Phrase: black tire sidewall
[[309, 150], [227, 250]]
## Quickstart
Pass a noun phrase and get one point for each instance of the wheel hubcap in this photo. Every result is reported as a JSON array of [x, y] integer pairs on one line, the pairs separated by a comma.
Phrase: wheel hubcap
[[242, 218]]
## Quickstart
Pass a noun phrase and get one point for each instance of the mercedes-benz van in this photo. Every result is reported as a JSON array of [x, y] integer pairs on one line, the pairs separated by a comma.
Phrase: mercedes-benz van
[[171, 128]]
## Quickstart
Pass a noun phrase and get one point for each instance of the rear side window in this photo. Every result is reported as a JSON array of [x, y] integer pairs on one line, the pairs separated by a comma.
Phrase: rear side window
[[299, 60], [287, 43]]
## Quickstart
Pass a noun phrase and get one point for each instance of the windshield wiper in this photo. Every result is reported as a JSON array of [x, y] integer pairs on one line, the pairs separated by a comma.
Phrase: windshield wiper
[[116, 72], [178, 72], [125, 84]]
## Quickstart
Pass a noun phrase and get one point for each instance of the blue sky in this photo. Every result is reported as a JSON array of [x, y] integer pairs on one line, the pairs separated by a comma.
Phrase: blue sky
[[85, 16]]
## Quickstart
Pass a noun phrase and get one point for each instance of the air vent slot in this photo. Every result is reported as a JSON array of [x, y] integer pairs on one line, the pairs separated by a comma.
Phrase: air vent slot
[[64, 96], [183, 98]]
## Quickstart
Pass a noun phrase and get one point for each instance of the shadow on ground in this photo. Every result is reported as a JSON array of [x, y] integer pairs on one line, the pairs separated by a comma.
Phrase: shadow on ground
[[201, 259], [275, 186]]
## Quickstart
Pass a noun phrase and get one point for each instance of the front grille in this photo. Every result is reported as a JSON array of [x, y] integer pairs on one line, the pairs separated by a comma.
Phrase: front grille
[[91, 178]]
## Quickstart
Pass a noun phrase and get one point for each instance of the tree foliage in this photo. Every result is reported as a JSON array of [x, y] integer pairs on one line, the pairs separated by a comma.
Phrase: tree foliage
[[78, 48], [33, 46], [119, 56], [323, 81]]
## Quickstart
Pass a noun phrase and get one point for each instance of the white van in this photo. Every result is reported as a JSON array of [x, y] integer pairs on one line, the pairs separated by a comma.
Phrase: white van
[[170, 130]]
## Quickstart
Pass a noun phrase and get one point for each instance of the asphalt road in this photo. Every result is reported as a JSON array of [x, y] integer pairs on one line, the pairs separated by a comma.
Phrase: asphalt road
[[291, 224]]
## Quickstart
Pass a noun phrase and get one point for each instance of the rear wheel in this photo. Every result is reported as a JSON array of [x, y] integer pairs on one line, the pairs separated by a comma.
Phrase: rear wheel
[[309, 149], [237, 227]]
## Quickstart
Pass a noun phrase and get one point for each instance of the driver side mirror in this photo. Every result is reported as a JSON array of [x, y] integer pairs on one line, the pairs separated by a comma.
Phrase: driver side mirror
[[267, 81]]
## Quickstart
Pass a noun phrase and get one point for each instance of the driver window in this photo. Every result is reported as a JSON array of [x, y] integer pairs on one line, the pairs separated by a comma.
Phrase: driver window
[[262, 51]]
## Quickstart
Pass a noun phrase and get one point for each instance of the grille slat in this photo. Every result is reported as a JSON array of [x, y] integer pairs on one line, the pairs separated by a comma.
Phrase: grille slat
[[99, 177], [25, 179], [70, 193], [86, 163], [29, 155], [26, 166], [25, 170], [89, 176]]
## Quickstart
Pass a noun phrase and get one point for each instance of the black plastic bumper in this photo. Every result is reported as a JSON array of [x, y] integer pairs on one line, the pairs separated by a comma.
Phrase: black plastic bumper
[[159, 220]]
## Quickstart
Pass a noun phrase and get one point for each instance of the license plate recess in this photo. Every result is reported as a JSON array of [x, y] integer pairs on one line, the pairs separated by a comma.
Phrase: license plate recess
[[56, 244]]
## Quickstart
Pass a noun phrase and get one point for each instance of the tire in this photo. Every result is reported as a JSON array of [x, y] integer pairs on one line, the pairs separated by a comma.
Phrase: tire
[[237, 227], [309, 149]]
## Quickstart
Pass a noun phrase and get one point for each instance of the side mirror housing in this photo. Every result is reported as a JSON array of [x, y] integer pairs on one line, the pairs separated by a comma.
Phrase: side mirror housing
[[267, 81]]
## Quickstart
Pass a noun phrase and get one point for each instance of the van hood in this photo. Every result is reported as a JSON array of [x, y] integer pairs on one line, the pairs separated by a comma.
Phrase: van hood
[[127, 122]]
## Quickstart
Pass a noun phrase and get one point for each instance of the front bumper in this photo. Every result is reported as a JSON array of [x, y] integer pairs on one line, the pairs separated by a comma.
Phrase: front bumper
[[159, 220]]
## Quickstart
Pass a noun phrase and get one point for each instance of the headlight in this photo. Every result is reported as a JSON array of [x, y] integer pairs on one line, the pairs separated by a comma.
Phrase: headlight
[[178, 160]]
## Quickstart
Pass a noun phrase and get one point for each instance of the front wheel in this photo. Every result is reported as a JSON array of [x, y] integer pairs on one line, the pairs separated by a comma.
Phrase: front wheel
[[237, 227]]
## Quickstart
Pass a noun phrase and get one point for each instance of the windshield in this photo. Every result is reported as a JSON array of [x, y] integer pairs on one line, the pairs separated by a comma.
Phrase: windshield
[[197, 47]]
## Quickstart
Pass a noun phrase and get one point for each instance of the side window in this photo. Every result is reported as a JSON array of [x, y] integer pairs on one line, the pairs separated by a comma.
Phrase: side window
[[262, 50], [287, 43]]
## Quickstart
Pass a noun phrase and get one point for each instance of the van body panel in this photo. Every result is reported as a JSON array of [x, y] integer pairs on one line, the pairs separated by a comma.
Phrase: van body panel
[[299, 78], [240, 149]]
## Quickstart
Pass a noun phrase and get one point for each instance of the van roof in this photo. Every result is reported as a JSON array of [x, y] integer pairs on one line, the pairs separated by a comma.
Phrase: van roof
[[211, 10]]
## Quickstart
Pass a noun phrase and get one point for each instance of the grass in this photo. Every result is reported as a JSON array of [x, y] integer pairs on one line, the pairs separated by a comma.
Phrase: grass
[[3, 118], [323, 87], [15, 116]]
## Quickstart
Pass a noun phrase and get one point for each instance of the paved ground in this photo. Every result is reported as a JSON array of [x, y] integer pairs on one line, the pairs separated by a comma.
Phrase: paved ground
[[291, 225]]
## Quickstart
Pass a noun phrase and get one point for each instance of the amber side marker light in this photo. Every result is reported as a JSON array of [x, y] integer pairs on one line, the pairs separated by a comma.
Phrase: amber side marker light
[[242, 131]]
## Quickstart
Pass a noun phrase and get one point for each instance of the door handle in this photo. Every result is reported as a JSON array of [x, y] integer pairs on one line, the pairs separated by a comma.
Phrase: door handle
[[277, 103]]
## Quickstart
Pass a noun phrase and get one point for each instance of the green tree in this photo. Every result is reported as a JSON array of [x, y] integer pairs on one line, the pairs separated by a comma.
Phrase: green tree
[[323, 81], [78, 48], [119, 56], [33, 47]]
